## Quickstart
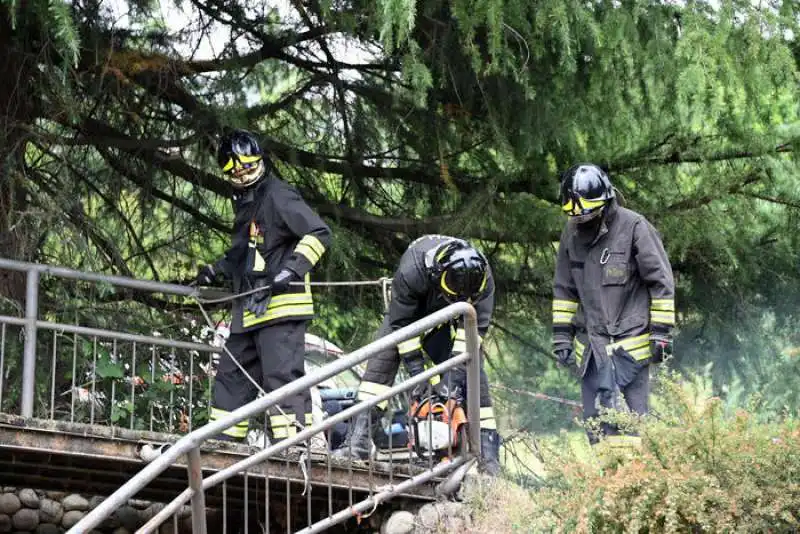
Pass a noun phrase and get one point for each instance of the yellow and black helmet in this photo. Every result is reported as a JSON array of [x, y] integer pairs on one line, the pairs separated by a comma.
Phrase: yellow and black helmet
[[585, 191], [241, 159], [460, 271]]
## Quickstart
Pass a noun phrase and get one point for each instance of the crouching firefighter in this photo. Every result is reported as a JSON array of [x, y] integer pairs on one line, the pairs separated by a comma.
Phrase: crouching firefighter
[[612, 268], [276, 240], [434, 272]]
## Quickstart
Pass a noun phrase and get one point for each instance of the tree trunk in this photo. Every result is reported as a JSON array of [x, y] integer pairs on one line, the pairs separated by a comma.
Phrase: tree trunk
[[17, 110]]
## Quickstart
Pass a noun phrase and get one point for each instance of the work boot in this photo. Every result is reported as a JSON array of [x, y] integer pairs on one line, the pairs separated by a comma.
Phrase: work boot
[[358, 443], [489, 463]]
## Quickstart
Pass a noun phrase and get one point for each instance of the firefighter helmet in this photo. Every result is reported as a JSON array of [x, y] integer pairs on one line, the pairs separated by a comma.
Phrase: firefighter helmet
[[585, 191], [241, 159], [460, 271]]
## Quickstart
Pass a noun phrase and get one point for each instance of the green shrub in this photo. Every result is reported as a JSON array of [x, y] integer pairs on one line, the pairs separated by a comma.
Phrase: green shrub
[[700, 470]]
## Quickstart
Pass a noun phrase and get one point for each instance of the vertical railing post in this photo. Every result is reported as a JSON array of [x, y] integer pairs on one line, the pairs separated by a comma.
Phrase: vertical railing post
[[198, 497], [29, 350], [473, 380]]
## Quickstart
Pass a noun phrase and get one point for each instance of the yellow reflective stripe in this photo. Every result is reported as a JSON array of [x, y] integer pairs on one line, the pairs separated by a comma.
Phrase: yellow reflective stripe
[[487, 418], [249, 159], [282, 432], [489, 424], [291, 298], [282, 420], [563, 317], [483, 283], [435, 379], [445, 286], [283, 305], [409, 345], [565, 305], [579, 350], [630, 344], [371, 389], [589, 204], [217, 414], [309, 419], [583, 204], [283, 426], [662, 317], [259, 264], [662, 304], [310, 247], [249, 319], [235, 432], [242, 158], [640, 354], [239, 430], [307, 252]]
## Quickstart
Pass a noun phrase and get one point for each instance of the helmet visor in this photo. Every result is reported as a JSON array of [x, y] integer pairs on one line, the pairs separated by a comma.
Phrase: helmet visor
[[462, 285], [243, 170], [577, 207]]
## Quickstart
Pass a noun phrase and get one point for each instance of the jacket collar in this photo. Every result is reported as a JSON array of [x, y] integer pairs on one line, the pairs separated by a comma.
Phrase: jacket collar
[[602, 227], [608, 219], [245, 196]]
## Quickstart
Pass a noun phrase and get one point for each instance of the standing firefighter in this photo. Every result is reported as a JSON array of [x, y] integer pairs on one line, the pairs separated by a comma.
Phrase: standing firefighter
[[276, 240], [434, 272], [611, 263]]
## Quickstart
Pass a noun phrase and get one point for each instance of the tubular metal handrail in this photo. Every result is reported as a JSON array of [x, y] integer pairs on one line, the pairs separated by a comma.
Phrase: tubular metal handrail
[[31, 321], [192, 441], [189, 445]]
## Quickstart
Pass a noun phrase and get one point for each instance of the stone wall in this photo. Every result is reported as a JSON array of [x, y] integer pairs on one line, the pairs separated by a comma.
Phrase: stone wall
[[52, 512]]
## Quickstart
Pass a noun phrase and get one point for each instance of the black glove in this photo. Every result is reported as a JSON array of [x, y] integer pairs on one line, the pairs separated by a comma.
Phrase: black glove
[[448, 386], [206, 276], [257, 303], [661, 348], [281, 282], [565, 357]]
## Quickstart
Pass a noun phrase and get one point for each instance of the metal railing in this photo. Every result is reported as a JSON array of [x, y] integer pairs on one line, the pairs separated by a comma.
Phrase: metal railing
[[107, 369], [189, 445], [106, 385]]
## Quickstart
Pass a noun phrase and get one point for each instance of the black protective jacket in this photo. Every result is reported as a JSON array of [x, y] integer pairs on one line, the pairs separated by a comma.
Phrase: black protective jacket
[[273, 229], [621, 278], [416, 295]]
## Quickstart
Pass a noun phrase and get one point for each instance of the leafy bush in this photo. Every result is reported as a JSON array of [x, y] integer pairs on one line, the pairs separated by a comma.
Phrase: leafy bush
[[700, 470]]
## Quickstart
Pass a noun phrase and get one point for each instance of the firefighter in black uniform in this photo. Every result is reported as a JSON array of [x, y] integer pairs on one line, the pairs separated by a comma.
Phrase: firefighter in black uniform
[[276, 240], [434, 271], [613, 294]]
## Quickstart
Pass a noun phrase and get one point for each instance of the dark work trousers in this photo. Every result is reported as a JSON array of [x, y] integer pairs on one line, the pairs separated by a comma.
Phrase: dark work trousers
[[273, 356], [636, 395], [438, 346]]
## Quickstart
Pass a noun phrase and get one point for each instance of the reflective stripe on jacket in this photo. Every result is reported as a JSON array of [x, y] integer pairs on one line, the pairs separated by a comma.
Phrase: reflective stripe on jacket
[[621, 279], [273, 229]]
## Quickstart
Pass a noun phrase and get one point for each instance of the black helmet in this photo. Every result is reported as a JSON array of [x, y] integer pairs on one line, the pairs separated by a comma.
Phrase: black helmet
[[460, 271], [241, 159], [585, 191]]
